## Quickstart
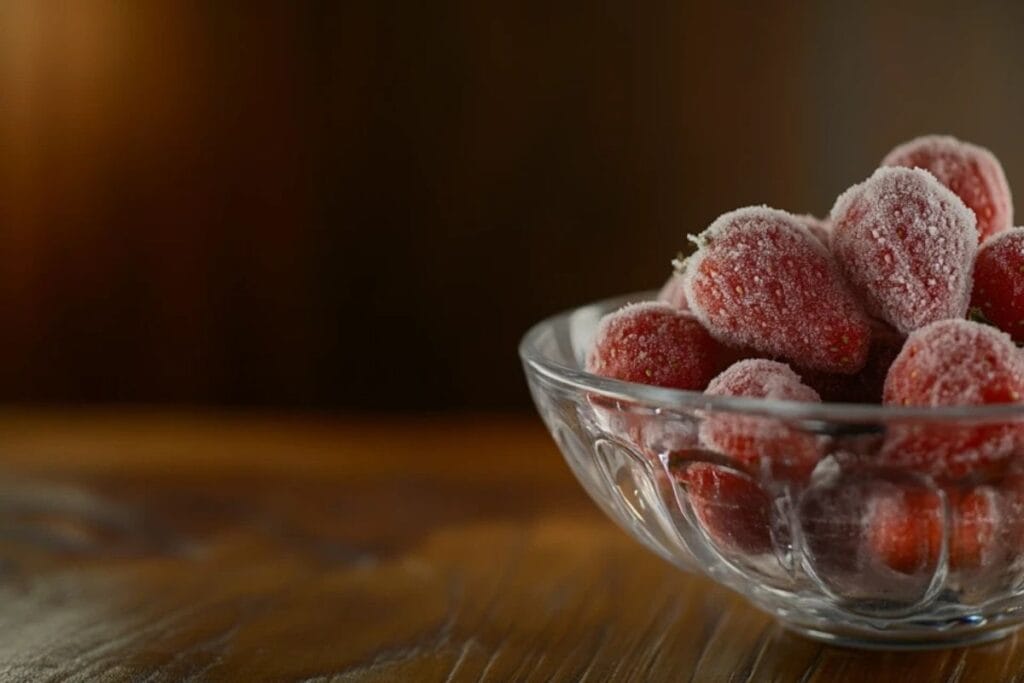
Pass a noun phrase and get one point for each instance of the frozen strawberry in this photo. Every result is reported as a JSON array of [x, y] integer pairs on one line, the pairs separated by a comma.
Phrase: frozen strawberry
[[906, 243], [903, 528], [759, 280], [816, 227], [975, 541], [999, 282], [972, 172], [761, 444], [866, 386], [951, 452], [954, 363], [673, 293], [730, 506], [653, 343]]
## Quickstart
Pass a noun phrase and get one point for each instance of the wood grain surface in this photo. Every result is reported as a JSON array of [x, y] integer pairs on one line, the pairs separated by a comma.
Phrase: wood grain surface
[[149, 547]]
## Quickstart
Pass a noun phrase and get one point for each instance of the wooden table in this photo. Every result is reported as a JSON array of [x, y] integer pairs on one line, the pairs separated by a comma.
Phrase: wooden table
[[147, 547]]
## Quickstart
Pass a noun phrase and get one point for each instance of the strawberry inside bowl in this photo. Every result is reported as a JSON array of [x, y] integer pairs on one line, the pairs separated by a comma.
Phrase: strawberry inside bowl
[[815, 415]]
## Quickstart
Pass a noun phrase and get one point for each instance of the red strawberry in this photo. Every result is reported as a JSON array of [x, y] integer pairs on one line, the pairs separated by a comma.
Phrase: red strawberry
[[760, 280], [975, 542], [761, 443], [903, 528], [653, 343], [954, 363], [900, 525], [972, 172], [907, 245], [867, 385], [730, 506], [873, 520], [999, 282]]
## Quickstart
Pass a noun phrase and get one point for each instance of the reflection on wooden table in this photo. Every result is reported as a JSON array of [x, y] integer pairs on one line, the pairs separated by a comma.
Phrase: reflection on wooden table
[[140, 546]]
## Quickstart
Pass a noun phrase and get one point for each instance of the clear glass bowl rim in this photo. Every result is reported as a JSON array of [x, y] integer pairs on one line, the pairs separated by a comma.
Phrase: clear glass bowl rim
[[660, 398]]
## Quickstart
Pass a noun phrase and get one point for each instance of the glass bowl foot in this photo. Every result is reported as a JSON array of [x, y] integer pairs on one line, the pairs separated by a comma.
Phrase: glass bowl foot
[[956, 635]]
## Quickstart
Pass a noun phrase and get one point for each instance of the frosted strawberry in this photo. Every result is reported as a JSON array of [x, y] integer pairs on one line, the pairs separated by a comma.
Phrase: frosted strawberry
[[903, 528], [761, 444], [733, 510], [954, 363], [816, 227], [999, 282], [907, 244], [865, 386], [673, 293], [976, 542], [654, 343], [760, 280], [971, 172]]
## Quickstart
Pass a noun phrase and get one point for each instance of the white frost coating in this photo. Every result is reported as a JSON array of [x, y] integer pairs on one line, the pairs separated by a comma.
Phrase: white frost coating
[[768, 441], [907, 244], [653, 343], [760, 378], [1013, 235], [972, 172], [954, 363], [635, 312], [760, 280], [949, 451], [601, 360]]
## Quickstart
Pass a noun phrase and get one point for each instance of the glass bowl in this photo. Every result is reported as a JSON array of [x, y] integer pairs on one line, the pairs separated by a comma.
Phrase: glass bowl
[[852, 552]]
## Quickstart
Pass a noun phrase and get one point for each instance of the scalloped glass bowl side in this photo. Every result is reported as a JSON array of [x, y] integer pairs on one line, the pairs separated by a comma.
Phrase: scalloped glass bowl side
[[852, 552]]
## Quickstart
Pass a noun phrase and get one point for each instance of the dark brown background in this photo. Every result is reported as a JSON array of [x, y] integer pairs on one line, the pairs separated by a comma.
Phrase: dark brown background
[[364, 204]]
